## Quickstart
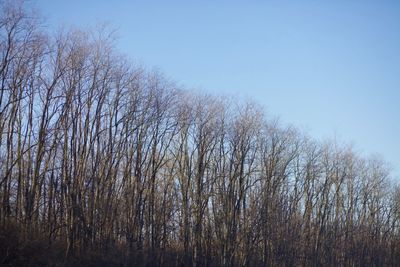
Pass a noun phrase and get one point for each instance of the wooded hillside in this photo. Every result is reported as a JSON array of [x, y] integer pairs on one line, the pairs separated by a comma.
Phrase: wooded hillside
[[105, 163]]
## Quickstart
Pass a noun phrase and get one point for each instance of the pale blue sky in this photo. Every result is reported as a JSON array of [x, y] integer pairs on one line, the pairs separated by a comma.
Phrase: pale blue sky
[[331, 68]]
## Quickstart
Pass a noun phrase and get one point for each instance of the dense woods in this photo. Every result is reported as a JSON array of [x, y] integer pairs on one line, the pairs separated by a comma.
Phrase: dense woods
[[104, 159]]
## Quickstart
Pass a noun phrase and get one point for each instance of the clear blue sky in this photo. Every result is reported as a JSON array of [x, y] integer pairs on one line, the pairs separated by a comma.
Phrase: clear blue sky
[[331, 68]]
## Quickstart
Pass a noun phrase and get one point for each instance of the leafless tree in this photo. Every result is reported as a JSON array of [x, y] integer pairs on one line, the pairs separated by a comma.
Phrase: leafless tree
[[98, 155]]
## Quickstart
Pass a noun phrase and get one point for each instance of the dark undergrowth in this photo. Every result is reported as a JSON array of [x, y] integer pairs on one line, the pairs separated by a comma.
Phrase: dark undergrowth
[[18, 248]]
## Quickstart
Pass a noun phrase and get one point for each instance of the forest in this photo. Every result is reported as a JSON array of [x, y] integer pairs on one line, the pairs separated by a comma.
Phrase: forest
[[106, 163]]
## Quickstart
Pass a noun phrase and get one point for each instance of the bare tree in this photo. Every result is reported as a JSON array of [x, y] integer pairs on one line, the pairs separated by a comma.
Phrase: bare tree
[[101, 157]]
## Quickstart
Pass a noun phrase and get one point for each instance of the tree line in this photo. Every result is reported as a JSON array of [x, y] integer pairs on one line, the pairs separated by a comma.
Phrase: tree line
[[98, 154]]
